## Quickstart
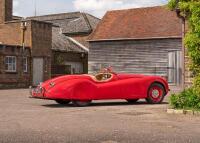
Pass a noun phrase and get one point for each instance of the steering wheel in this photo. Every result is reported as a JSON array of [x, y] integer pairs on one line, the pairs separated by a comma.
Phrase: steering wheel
[[106, 70]]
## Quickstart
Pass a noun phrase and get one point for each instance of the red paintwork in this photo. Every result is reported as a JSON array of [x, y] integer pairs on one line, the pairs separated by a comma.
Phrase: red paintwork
[[83, 87]]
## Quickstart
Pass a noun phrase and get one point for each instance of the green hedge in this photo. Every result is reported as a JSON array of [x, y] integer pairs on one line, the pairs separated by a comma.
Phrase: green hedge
[[188, 99]]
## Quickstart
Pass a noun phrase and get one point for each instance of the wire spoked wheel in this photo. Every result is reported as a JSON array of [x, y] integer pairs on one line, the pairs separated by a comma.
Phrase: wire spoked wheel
[[156, 94]]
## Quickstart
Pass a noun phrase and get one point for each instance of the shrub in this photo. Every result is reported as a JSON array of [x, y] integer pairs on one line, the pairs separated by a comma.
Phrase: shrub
[[188, 99], [197, 84]]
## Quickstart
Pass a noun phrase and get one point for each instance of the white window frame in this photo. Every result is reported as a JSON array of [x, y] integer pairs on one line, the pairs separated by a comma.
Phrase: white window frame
[[12, 64], [25, 64]]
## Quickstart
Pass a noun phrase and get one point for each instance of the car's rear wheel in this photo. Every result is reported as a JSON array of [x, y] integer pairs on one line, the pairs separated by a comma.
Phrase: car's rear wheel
[[132, 100], [81, 103], [63, 102], [156, 94]]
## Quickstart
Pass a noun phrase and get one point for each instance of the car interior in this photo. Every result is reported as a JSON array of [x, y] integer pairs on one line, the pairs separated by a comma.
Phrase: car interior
[[103, 77]]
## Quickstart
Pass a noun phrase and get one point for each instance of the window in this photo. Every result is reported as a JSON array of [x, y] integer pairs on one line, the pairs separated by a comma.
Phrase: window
[[25, 64], [10, 63]]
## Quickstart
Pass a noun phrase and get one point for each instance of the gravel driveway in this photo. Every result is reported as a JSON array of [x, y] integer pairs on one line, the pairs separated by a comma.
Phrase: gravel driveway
[[24, 120]]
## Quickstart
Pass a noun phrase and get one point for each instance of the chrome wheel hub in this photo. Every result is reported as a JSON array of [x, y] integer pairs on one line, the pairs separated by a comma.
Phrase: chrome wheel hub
[[155, 93]]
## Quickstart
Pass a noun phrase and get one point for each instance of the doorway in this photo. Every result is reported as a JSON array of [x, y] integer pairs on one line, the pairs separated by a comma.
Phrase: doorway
[[174, 67], [38, 70]]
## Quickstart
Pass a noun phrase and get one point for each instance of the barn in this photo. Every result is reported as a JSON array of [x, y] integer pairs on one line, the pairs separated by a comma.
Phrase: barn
[[142, 41]]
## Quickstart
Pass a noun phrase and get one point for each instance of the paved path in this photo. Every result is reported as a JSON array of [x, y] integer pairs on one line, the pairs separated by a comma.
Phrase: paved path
[[24, 120]]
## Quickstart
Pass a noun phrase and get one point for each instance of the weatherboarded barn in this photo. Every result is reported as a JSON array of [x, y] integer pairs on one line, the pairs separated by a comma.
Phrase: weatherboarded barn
[[143, 40]]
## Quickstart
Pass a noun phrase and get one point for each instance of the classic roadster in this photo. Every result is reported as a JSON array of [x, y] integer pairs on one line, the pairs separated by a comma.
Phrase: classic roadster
[[82, 89]]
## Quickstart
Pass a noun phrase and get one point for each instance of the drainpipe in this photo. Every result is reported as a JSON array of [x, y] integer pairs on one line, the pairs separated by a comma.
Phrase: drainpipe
[[23, 29]]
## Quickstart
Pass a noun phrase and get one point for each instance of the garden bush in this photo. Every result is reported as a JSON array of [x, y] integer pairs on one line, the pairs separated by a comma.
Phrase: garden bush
[[187, 99]]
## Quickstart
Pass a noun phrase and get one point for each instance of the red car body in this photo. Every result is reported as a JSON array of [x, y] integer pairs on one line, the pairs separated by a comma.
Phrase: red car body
[[87, 88]]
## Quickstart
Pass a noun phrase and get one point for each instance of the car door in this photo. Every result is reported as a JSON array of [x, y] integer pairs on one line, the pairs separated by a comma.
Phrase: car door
[[121, 89]]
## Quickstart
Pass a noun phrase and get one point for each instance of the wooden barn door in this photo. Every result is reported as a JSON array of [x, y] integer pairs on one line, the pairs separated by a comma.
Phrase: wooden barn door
[[174, 67], [38, 68]]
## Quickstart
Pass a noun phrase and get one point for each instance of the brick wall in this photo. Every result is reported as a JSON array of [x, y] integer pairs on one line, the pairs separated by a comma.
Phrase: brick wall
[[41, 44], [6, 10], [38, 36], [11, 33], [18, 78], [188, 73]]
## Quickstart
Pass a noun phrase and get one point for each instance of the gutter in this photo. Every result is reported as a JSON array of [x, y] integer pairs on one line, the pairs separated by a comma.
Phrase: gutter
[[147, 38]]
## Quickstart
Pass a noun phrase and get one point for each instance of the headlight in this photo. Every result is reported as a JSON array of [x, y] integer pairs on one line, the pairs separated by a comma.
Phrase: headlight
[[38, 90]]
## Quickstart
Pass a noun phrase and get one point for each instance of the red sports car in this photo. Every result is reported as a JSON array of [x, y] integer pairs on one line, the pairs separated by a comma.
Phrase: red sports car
[[82, 89]]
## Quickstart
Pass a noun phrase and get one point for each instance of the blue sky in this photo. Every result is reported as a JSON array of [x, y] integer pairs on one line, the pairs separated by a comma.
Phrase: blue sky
[[96, 7]]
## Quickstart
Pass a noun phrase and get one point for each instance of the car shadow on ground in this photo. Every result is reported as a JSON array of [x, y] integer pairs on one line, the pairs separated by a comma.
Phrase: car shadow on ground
[[95, 104]]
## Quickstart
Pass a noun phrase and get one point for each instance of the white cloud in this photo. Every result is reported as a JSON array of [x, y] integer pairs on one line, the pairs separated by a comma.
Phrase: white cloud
[[95, 7], [99, 7], [27, 7]]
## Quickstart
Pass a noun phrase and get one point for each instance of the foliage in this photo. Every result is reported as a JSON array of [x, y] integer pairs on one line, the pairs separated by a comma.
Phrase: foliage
[[188, 99], [197, 84], [189, 10]]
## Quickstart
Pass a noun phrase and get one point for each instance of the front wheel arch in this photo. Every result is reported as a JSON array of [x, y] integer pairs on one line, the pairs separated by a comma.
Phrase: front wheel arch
[[156, 100], [157, 82]]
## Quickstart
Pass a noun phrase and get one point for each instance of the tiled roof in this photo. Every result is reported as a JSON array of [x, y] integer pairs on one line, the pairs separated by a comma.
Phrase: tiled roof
[[61, 42], [71, 23], [139, 23]]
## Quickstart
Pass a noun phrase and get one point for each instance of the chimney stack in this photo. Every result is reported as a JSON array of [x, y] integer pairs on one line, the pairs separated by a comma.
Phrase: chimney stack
[[6, 10]]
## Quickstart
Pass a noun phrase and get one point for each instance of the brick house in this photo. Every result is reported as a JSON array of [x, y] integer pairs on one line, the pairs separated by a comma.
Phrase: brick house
[[142, 40], [30, 49], [20, 41]]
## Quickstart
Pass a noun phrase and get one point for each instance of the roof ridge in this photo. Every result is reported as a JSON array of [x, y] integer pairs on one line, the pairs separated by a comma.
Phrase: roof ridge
[[87, 21], [48, 15], [92, 16], [137, 8]]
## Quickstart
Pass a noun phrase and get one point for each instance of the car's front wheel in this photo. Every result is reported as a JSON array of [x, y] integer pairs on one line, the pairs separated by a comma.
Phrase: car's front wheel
[[156, 94], [81, 103], [63, 102]]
